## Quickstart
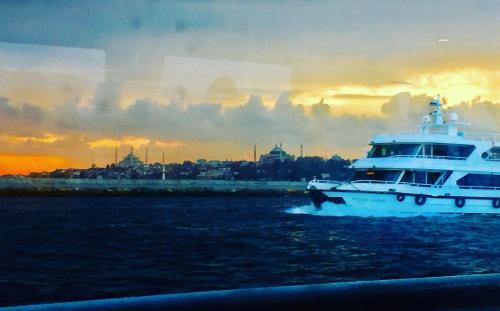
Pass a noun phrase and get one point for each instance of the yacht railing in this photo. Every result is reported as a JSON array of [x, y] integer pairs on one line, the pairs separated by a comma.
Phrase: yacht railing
[[411, 133], [479, 187], [368, 181], [418, 185], [392, 182], [481, 136], [429, 157], [324, 181], [494, 160], [438, 184]]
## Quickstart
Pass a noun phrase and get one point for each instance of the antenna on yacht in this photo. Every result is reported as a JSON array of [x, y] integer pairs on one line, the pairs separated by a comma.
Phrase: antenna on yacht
[[434, 121], [438, 113]]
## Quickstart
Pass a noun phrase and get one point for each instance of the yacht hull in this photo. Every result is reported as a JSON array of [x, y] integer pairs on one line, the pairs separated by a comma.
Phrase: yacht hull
[[332, 201]]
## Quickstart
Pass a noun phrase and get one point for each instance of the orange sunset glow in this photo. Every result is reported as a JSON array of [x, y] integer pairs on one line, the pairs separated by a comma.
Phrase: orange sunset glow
[[25, 164]]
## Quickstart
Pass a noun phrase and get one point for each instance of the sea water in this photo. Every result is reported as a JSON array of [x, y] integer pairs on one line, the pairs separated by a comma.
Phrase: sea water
[[74, 248]]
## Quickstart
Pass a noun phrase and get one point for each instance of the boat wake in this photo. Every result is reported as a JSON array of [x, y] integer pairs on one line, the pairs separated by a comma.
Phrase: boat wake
[[329, 209]]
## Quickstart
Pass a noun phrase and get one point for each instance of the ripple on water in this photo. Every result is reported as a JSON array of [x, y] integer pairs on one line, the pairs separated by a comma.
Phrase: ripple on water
[[310, 209]]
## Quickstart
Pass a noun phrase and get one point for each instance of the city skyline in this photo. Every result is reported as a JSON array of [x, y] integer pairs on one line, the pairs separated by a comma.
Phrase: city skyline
[[157, 156], [210, 79]]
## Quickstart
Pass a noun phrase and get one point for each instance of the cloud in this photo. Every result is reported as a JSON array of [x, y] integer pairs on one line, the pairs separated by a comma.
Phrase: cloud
[[135, 142], [360, 96], [24, 119], [323, 42], [24, 113], [47, 138], [320, 109], [483, 116], [84, 131], [252, 121], [406, 109], [170, 144]]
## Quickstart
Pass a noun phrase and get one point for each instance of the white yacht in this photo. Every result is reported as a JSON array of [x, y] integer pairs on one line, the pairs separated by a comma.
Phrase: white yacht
[[439, 169]]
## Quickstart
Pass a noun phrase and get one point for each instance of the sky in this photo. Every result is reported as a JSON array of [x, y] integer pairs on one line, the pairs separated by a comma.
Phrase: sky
[[209, 79]]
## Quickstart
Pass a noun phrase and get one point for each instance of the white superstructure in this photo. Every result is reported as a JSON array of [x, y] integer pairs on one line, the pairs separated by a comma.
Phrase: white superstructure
[[437, 169]]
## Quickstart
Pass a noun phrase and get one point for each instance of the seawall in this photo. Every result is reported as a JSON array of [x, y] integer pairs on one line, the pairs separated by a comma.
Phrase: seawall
[[74, 186]]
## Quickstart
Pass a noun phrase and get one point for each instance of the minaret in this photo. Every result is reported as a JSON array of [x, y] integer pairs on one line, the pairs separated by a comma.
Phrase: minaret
[[131, 149], [301, 151], [254, 153], [116, 154], [146, 155], [163, 166]]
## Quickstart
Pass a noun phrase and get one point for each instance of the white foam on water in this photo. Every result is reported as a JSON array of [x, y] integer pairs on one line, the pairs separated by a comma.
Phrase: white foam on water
[[330, 209]]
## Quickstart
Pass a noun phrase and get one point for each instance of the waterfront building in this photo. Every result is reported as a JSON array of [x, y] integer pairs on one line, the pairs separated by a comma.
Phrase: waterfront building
[[214, 163], [277, 154], [221, 173], [130, 161], [201, 162]]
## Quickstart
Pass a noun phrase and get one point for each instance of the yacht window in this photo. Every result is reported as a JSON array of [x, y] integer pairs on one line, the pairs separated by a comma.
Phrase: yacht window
[[407, 177], [380, 175], [427, 150], [448, 151], [420, 177], [442, 180], [388, 150], [492, 155], [480, 180], [432, 177], [383, 151], [440, 150]]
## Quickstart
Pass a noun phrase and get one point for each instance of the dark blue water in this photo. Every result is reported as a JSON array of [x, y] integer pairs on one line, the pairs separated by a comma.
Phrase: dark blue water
[[59, 249]]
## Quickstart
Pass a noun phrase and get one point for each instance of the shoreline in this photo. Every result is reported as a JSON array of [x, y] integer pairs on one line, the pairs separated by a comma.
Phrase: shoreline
[[25, 186]]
